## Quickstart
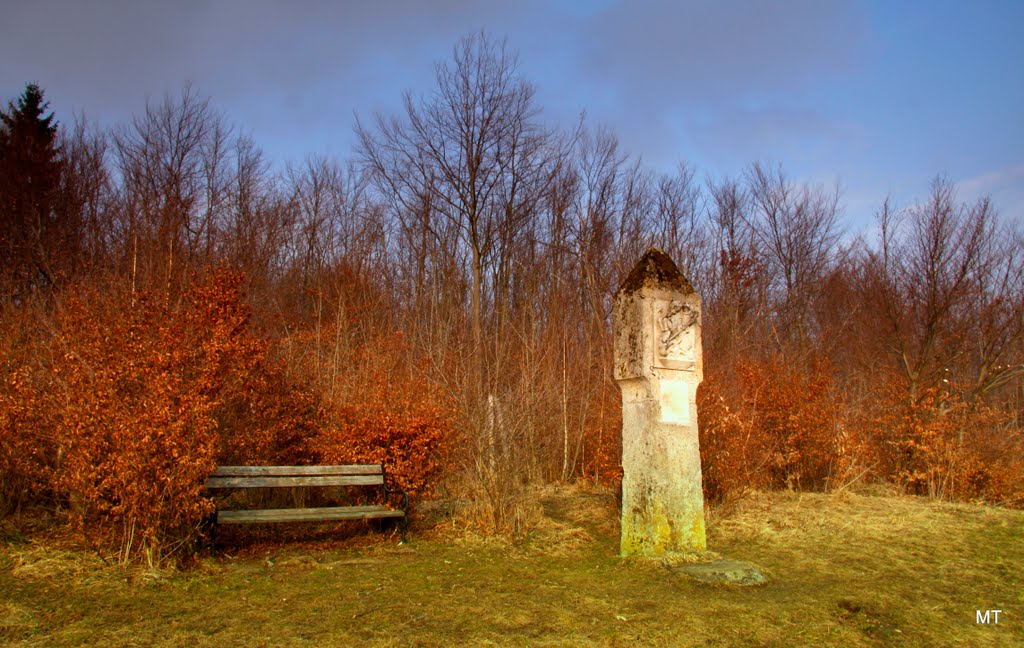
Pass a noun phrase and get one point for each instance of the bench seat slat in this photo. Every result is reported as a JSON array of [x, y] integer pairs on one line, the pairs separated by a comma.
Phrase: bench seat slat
[[270, 482], [296, 471], [308, 514]]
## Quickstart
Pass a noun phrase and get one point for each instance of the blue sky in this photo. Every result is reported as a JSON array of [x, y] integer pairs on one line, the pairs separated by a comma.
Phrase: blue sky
[[879, 96]]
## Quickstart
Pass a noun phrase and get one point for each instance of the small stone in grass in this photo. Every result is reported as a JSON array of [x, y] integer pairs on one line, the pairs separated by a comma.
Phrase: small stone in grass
[[728, 572]]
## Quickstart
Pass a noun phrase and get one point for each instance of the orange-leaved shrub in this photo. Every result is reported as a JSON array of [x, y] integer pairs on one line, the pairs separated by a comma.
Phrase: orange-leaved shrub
[[27, 443], [262, 416], [731, 461], [134, 400], [939, 445], [134, 405], [391, 417], [776, 426]]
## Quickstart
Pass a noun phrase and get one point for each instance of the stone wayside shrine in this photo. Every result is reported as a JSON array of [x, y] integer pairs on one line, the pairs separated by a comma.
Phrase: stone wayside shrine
[[658, 366]]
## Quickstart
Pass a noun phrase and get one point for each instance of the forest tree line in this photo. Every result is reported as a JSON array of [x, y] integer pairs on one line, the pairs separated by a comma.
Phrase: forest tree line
[[441, 301]]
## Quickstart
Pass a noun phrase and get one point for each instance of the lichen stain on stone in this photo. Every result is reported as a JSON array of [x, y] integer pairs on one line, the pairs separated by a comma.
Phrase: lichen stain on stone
[[698, 539], [648, 531], [662, 529]]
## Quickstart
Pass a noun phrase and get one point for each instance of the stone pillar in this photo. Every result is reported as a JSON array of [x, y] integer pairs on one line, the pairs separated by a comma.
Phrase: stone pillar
[[658, 366]]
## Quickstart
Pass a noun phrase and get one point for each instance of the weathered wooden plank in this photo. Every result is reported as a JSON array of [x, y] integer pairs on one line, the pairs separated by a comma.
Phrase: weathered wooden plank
[[276, 482], [296, 471], [307, 514]]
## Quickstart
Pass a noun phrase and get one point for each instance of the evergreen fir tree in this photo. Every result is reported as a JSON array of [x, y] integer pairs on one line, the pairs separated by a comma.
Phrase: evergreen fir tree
[[30, 168]]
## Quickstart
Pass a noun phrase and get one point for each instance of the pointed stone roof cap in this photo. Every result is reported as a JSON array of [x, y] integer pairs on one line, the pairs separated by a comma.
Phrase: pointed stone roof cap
[[655, 270]]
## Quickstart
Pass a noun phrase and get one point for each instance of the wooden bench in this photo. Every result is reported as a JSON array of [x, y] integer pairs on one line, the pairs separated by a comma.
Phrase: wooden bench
[[369, 475]]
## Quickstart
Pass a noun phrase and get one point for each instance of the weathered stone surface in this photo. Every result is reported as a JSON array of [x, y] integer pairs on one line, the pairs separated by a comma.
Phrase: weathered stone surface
[[658, 366], [728, 572]]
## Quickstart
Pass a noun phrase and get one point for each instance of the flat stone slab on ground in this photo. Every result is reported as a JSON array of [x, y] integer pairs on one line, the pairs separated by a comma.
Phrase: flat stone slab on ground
[[729, 572]]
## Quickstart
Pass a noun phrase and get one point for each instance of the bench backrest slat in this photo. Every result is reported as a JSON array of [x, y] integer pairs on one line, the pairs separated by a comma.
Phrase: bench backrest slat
[[296, 471], [274, 481]]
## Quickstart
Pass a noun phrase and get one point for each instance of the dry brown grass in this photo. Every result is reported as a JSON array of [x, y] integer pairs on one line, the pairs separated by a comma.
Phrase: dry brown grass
[[846, 569]]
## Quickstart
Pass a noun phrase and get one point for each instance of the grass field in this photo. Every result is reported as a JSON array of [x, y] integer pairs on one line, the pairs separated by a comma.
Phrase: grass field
[[846, 570]]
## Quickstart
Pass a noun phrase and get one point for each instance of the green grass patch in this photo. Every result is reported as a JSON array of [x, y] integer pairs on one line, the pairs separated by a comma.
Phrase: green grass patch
[[845, 570]]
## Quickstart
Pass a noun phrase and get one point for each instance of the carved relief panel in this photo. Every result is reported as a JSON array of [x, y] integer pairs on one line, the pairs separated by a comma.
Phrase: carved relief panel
[[675, 334]]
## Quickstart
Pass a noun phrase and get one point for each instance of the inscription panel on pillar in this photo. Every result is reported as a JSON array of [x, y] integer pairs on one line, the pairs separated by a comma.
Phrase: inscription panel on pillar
[[675, 335], [675, 401]]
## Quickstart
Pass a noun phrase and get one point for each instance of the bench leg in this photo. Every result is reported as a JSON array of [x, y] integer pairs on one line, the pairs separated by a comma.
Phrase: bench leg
[[209, 531]]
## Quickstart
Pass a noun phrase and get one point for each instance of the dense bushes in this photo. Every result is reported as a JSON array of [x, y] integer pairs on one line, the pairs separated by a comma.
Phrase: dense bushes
[[941, 446], [132, 401], [781, 426], [775, 427], [396, 420], [28, 445], [375, 402]]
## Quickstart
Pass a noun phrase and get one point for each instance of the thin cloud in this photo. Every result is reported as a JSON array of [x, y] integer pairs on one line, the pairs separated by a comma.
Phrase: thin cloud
[[1011, 177], [1005, 186]]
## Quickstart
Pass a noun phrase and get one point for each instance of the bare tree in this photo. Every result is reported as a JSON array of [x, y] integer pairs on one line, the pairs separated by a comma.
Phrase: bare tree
[[734, 298], [796, 227], [85, 191], [679, 223], [472, 151], [168, 161], [994, 312], [922, 275]]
